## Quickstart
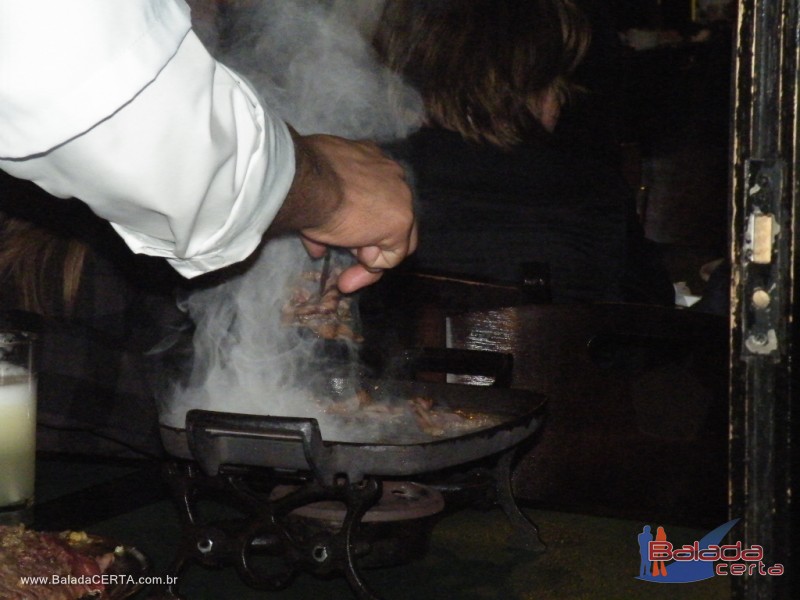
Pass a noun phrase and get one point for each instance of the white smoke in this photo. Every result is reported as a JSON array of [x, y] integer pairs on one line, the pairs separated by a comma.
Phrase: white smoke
[[312, 62], [245, 358]]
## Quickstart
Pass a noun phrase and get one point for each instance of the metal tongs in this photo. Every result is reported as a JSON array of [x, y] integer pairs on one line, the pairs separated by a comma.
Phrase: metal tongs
[[325, 272]]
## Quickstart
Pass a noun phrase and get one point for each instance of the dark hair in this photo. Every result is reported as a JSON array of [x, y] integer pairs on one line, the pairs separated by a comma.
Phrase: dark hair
[[37, 262], [483, 67]]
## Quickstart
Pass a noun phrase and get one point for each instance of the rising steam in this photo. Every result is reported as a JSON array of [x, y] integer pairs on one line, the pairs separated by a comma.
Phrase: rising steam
[[313, 64]]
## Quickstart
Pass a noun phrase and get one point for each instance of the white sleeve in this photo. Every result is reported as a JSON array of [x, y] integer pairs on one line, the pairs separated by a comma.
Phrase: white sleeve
[[190, 167]]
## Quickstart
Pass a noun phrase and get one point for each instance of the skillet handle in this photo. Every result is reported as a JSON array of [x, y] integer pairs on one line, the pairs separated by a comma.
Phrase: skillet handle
[[217, 438], [498, 365]]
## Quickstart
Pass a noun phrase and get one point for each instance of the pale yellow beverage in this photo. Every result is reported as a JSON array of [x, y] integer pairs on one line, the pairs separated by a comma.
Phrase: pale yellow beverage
[[17, 439]]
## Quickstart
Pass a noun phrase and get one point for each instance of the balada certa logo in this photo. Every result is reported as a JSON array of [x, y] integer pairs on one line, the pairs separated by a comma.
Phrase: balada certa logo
[[663, 562]]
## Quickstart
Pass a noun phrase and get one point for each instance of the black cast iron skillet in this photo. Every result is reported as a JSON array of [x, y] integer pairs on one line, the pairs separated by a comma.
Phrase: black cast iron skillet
[[215, 438]]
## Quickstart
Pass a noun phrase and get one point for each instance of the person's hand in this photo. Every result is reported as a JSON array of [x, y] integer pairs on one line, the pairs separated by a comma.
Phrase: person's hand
[[374, 215], [349, 194]]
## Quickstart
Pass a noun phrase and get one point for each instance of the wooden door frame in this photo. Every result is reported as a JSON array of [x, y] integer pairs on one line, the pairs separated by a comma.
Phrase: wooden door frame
[[763, 252]]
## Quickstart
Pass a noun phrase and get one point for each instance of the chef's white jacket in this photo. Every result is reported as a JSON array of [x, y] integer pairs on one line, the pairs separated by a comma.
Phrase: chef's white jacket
[[116, 102]]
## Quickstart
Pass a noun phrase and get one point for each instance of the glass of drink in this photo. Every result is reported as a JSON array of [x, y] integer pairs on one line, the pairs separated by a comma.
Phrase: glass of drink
[[17, 426]]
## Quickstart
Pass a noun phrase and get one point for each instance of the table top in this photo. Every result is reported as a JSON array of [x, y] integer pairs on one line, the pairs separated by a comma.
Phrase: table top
[[469, 556]]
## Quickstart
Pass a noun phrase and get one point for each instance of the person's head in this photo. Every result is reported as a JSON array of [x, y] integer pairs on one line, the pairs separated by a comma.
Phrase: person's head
[[40, 269], [491, 70]]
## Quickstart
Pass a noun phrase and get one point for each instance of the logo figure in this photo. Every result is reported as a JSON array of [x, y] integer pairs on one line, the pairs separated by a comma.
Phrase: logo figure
[[644, 542], [659, 566]]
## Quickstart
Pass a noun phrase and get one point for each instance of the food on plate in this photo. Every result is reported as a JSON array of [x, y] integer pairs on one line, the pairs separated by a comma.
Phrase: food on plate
[[51, 566], [326, 312]]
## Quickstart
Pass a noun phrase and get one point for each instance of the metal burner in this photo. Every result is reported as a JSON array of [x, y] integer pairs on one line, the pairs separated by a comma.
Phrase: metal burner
[[400, 501], [300, 526], [288, 525]]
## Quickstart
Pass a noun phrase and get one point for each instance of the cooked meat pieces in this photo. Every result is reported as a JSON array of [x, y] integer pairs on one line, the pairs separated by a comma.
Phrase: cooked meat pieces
[[426, 420], [328, 314], [363, 404], [435, 422], [439, 422]]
